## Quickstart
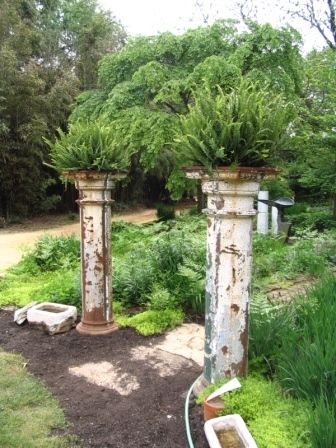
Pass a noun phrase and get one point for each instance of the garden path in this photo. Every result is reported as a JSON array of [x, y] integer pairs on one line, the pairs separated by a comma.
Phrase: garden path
[[15, 238]]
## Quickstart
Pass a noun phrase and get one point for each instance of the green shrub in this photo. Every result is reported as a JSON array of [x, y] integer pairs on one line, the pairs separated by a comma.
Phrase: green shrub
[[314, 219], [161, 299], [303, 258], [63, 287], [88, 146], [152, 322], [51, 253], [243, 127], [165, 212], [133, 278], [268, 325]]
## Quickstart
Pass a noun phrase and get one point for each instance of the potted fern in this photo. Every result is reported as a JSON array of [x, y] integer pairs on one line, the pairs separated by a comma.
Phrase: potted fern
[[228, 139], [89, 155]]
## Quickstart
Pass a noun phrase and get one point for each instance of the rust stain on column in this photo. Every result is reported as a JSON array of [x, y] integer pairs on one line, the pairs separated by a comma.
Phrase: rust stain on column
[[95, 216]]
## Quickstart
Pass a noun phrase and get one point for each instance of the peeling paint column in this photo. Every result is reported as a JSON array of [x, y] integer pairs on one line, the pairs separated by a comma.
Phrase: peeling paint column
[[230, 212], [229, 259], [96, 266]]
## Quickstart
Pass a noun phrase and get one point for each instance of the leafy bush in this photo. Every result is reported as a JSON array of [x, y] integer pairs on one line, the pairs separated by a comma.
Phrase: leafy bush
[[133, 278], [152, 322], [243, 127], [161, 299], [88, 146], [51, 253], [269, 324], [313, 219], [165, 212], [63, 287]]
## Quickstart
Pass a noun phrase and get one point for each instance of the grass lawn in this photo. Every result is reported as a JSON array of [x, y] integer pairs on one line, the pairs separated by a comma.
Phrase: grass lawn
[[29, 415]]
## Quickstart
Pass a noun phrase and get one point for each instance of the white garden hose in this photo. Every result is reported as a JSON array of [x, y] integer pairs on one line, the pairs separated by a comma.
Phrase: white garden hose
[[186, 414]]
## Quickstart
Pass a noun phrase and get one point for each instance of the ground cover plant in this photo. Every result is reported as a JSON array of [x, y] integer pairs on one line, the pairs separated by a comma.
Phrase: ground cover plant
[[28, 412], [273, 419], [158, 266]]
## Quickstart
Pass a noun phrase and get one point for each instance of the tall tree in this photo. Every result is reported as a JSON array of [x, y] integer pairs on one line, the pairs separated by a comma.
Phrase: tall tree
[[42, 60], [320, 14], [317, 136], [145, 87]]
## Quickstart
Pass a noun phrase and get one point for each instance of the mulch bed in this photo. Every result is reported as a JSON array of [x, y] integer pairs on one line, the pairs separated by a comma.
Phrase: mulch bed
[[152, 416]]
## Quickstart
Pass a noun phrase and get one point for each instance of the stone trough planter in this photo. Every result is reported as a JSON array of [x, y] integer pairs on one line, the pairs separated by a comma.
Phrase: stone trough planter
[[228, 431], [52, 317]]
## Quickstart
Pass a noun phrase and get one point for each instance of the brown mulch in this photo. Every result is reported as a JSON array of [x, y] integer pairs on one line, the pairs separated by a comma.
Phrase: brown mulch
[[152, 416]]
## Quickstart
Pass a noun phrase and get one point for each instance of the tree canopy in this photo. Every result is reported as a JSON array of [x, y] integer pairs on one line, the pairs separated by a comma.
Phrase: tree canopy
[[48, 53], [150, 82]]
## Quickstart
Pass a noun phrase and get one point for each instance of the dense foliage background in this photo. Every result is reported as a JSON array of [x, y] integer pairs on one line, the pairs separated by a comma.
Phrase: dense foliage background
[[68, 58]]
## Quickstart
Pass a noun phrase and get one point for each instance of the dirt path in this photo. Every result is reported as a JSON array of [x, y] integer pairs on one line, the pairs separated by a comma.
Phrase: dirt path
[[14, 239]]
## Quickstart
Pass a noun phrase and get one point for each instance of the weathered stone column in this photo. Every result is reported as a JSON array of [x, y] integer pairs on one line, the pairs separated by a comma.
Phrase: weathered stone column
[[262, 217], [230, 214], [95, 221]]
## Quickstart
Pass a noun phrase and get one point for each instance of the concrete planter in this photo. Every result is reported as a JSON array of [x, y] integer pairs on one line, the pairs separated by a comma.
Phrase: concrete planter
[[95, 220], [230, 196], [233, 422], [52, 317]]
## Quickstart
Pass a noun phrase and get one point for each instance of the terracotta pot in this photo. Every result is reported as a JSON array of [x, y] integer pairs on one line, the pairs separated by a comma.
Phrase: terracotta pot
[[212, 408]]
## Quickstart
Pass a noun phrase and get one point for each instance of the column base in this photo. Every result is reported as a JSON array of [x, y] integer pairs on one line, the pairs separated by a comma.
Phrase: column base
[[96, 330], [201, 384]]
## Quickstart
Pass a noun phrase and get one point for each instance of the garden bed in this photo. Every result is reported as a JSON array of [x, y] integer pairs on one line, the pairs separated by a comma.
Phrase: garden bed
[[151, 416]]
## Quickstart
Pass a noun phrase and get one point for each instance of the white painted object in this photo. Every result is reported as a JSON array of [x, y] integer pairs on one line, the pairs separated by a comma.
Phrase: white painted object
[[234, 421], [228, 387], [20, 315], [275, 221], [53, 317], [262, 217]]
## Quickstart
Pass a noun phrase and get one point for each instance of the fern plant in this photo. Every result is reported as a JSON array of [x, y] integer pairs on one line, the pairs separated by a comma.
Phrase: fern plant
[[242, 128], [88, 146]]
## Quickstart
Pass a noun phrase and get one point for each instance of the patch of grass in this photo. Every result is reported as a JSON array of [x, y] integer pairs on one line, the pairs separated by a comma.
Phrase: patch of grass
[[306, 364], [28, 412], [322, 423], [152, 322]]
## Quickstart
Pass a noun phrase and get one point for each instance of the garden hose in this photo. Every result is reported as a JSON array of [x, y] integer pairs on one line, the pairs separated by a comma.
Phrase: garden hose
[[186, 414]]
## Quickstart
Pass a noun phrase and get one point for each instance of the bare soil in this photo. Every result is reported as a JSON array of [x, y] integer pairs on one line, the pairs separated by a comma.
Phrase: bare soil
[[149, 414]]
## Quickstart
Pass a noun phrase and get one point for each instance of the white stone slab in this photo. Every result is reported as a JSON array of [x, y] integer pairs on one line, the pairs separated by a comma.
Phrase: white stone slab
[[53, 317], [20, 315]]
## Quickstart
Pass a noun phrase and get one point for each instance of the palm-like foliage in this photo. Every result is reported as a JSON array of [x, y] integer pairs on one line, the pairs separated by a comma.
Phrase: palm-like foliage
[[88, 146], [243, 127]]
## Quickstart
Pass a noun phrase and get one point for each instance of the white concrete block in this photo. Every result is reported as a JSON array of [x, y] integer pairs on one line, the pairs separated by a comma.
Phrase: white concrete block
[[53, 317]]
